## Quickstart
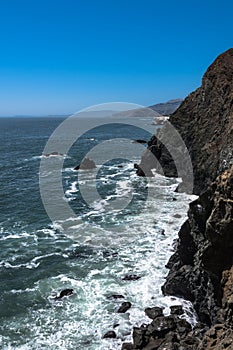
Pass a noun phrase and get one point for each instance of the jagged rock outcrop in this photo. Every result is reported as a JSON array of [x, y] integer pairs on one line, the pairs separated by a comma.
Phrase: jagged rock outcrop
[[205, 251], [220, 336], [87, 164], [163, 333], [205, 122], [201, 270]]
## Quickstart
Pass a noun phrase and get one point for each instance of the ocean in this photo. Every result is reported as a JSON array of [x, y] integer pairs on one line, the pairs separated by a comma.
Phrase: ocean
[[39, 257]]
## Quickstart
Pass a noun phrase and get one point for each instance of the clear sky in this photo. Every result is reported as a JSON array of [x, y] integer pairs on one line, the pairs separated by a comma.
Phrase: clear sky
[[58, 56]]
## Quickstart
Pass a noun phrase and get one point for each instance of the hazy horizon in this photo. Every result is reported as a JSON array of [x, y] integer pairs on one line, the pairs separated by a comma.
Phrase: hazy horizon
[[58, 57]]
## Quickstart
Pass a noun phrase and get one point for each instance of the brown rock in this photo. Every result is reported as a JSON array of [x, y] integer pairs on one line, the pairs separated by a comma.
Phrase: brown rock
[[110, 334], [124, 307], [87, 164], [153, 312]]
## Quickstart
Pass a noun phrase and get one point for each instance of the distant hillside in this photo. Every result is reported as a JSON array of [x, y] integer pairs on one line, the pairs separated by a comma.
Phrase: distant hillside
[[168, 107], [165, 109]]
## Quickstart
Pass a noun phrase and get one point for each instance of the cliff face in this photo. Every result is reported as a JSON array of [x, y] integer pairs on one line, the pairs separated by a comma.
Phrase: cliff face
[[201, 270], [205, 122]]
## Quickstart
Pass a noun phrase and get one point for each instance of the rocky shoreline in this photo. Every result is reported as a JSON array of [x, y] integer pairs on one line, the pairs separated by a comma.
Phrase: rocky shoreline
[[201, 270]]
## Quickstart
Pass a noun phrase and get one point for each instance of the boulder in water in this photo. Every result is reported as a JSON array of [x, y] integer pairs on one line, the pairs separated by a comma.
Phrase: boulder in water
[[131, 278], [140, 141], [109, 334], [64, 293], [125, 306], [87, 164]]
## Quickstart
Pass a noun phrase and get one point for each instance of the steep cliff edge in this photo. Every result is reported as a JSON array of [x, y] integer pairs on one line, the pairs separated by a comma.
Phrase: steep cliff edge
[[204, 253], [201, 269], [205, 122]]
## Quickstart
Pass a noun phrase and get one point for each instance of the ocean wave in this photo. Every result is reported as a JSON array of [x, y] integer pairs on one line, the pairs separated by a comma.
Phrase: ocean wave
[[29, 265], [72, 188], [89, 312]]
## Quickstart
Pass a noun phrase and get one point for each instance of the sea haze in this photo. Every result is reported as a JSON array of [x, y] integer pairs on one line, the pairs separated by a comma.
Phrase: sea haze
[[38, 259]]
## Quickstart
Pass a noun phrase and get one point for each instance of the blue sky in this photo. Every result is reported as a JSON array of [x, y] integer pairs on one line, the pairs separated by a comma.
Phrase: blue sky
[[58, 56]]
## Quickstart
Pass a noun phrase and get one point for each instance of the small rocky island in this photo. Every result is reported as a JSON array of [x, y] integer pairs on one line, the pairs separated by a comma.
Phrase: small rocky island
[[201, 270], [87, 164]]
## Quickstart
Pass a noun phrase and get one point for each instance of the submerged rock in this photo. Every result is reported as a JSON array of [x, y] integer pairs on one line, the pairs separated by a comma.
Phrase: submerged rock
[[140, 141], [116, 296], [53, 154], [131, 278]]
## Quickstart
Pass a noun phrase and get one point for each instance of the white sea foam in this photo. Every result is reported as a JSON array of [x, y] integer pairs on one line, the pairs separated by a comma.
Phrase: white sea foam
[[19, 291], [29, 265], [140, 248], [13, 236], [89, 313], [65, 156], [72, 189]]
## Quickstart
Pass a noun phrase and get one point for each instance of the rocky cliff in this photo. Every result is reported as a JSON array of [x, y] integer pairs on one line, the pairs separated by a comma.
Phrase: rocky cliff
[[205, 122], [201, 270]]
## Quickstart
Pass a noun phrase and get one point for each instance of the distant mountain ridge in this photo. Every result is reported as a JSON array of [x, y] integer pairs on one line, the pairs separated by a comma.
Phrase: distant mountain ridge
[[157, 110], [167, 108]]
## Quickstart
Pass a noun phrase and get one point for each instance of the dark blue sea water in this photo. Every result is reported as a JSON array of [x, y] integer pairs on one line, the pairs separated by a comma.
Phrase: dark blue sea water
[[39, 258]]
